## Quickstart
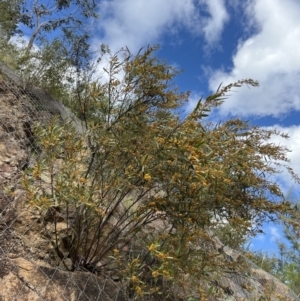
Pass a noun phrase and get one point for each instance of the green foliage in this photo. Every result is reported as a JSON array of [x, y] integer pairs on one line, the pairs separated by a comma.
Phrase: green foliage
[[9, 54], [290, 254], [292, 276], [281, 266], [230, 236], [267, 262], [48, 68], [52, 67], [286, 265], [58, 50], [42, 17], [141, 187], [10, 15]]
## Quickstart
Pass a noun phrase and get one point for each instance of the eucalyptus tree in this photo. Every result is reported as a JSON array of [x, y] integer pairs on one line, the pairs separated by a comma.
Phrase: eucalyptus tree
[[9, 18], [54, 46], [40, 17]]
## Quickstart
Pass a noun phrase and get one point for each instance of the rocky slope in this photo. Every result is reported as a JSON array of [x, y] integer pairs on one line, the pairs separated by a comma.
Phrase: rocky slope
[[28, 267]]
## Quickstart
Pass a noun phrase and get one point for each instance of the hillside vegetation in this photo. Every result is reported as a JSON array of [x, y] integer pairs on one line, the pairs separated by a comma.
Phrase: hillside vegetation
[[147, 186]]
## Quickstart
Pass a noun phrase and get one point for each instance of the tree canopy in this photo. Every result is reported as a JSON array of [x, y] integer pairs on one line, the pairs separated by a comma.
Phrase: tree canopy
[[40, 17], [49, 41], [10, 15]]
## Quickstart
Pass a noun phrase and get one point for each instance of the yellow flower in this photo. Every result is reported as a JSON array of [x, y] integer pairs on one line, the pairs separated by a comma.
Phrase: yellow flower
[[166, 273], [194, 186], [161, 256], [152, 247], [36, 172], [147, 177], [155, 274], [83, 180], [227, 181], [193, 159], [161, 140], [43, 199], [135, 261], [134, 279], [138, 290]]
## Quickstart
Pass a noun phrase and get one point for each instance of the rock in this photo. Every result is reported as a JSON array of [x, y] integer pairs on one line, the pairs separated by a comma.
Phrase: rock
[[23, 280]]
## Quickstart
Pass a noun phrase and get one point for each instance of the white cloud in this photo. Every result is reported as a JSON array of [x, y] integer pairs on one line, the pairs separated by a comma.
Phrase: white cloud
[[293, 144], [271, 56], [271, 234], [213, 25], [137, 23], [274, 233]]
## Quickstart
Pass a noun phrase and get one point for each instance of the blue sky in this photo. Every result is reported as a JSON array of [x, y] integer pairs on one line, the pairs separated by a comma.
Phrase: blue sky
[[216, 41]]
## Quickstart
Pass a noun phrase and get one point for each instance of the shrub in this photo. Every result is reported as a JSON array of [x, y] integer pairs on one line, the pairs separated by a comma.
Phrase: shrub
[[140, 189]]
